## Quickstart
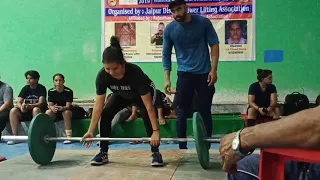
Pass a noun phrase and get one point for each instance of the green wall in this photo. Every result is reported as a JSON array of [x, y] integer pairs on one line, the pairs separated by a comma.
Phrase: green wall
[[65, 36]]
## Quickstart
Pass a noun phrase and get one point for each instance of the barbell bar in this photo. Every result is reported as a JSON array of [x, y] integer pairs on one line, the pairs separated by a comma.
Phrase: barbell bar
[[42, 139], [25, 138]]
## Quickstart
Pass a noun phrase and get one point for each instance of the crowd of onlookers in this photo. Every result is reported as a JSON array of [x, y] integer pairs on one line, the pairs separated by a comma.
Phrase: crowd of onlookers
[[57, 102]]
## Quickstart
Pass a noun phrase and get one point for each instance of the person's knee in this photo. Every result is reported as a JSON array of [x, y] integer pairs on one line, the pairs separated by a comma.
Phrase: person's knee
[[36, 110], [15, 112], [246, 166], [252, 113], [50, 113]]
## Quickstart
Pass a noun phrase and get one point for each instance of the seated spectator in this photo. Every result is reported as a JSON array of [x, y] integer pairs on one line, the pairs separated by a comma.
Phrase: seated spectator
[[262, 98], [6, 103], [31, 101], [161, 106], [173, 106], [60, 100]]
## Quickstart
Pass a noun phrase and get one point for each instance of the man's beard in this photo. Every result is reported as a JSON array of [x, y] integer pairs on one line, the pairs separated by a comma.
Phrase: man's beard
[[181, 18]]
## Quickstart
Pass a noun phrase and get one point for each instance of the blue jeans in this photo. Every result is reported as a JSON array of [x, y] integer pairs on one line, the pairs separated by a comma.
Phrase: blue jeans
[[189, 84], [292, 169]]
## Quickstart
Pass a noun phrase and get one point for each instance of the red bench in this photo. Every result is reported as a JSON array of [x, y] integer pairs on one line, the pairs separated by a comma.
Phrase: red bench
[[272, 161], [2, 158]]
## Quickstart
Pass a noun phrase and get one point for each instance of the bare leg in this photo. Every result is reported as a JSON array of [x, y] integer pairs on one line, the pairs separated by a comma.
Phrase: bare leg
[[252, 115], [36, 111], [67, 115], [276, 113], [50, 113], [15, 116]]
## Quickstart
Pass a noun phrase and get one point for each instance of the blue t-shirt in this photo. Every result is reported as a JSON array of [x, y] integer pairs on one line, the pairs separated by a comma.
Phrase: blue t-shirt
[[190, 41]]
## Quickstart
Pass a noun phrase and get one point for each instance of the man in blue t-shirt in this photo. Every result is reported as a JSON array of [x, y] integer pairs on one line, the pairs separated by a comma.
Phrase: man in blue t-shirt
[[191, 35]]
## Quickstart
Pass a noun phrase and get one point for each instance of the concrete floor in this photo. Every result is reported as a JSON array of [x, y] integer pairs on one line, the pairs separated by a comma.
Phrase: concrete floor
[[124, 165]]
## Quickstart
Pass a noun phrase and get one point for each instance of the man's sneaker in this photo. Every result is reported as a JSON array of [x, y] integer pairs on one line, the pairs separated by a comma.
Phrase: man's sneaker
[[157, 159], [100, 159]]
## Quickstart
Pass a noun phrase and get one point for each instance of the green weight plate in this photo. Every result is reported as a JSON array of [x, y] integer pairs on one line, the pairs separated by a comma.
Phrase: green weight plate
[[40, 150], [202, 146]]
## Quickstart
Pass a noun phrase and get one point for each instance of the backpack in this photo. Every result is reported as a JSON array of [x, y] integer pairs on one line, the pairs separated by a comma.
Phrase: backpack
[[294, 103], [78, 112], [317, 100], [89, 112]]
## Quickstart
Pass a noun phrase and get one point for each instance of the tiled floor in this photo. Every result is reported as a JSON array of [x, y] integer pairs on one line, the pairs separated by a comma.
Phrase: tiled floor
[[126, 162]]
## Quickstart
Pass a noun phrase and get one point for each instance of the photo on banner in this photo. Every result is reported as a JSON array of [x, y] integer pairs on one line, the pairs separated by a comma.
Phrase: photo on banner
[[140, 25]]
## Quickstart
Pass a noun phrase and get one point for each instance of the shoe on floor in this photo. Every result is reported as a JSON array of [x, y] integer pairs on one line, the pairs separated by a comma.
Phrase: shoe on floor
[[100, 159], [157, 159], [11, 142], [67, 142]]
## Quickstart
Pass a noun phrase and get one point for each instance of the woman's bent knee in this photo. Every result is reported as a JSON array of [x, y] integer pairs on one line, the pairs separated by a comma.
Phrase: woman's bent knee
[[36, 110], [252, 113]]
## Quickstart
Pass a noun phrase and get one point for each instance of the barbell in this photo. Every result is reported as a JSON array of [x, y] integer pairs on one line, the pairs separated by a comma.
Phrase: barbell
[[42, 139]]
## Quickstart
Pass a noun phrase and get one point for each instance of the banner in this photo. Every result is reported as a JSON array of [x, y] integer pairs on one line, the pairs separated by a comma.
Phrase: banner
[[139, 25]]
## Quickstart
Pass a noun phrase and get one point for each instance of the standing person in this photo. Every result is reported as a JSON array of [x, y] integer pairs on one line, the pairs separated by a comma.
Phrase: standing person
[[190, 35], [130, 86], [31, 102], [60, 100], [6, 103]]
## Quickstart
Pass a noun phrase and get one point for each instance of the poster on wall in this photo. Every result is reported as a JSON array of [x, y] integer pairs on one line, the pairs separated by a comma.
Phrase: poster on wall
[[139, 25]]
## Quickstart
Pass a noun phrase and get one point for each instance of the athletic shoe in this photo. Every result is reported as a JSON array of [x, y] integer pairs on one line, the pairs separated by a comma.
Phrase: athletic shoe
[[100, 159], [183, 145], [157, 159], [67, 142], [11, 142]]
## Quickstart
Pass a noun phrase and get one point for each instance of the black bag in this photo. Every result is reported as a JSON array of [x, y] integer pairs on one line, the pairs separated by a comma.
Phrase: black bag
[[318, 100], [294, 103], [78, 112], [89, 112]]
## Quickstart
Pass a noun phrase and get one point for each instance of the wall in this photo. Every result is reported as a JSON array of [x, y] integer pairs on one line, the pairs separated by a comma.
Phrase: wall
[[64, 36]]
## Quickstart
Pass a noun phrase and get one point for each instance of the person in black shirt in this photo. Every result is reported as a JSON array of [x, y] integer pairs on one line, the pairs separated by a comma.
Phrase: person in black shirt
[[60, 100], [130, 86], [262, 98], [31, 101]]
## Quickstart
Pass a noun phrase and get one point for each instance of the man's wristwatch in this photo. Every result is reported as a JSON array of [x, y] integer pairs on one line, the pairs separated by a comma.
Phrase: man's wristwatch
[[236, 145]]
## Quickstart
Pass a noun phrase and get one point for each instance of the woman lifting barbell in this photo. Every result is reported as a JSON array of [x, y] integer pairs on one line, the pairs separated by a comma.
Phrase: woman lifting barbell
[[130, 86]]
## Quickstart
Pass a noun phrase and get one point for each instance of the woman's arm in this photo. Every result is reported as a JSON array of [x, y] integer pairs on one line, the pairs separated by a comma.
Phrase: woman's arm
[[252, 104], [274, 100], [147, 101]]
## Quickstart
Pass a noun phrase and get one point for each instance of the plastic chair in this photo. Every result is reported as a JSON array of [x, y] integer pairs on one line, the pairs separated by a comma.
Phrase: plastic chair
[[272, 161]]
